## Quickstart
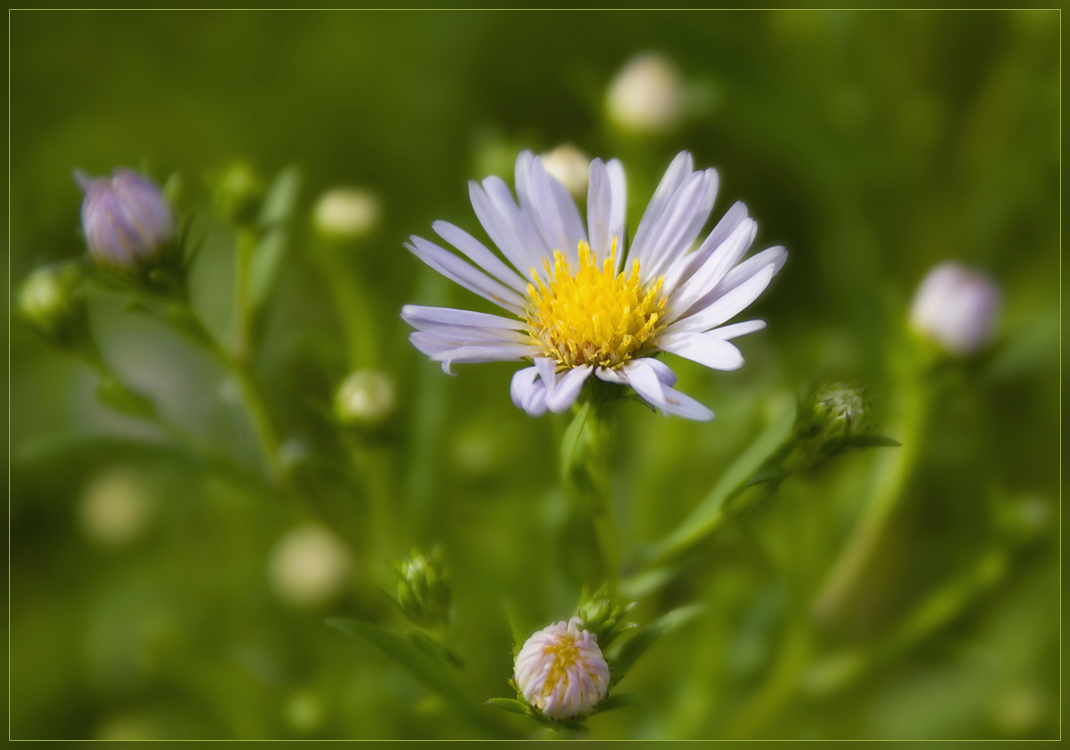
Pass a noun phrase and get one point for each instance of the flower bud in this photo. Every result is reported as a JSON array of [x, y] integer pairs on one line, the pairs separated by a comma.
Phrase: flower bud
[[603, 617], [421, 588], [237, 192], [832, 420], [569, 166], [646, 96], [956, 308], [126, 219], [309, 566], [347, 213], [51, 302], [115, 508], [365, 397], [561, 671]]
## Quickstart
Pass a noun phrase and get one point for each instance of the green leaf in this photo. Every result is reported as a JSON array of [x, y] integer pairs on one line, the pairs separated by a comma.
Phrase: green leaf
[[281, 198], [434, 649], [624, 654], [767, 474], [515, 627], [123, 399], [873, 441], [510, 705], [570, 443], [264, 266], [708, 516]]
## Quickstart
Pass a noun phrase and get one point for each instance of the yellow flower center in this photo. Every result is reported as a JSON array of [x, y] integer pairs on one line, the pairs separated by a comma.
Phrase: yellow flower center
[[593, 316], [565, 655]]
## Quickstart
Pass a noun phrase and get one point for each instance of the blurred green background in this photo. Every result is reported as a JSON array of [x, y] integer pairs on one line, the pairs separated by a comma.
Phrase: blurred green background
[[871, 144]]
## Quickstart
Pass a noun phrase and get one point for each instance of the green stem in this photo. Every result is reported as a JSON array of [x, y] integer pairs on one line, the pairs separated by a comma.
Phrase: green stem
[[374, 466], [893, 470], [351, 300]]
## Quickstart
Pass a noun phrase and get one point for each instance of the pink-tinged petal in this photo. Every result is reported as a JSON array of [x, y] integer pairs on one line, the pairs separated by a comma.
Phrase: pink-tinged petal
[[480, 255], [706, 349], [643, 377], [726, 307], [455, 269], [568, 388]]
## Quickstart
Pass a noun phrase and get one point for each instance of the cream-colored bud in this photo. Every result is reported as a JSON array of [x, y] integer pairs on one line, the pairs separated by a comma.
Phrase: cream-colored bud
[[365, 397], [115, 508], [647, 95], [309, 566], [347, 213], [569, 166]]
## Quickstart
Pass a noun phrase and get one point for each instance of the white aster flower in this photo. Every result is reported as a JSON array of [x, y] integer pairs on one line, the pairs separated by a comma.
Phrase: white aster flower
[[956, 307], [561, 671], [588, 310]]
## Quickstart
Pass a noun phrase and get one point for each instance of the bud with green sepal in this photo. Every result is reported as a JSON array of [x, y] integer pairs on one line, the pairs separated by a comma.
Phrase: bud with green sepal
[[52, 301], [603, 615], [421, 589], [237, 192], [831, 421]]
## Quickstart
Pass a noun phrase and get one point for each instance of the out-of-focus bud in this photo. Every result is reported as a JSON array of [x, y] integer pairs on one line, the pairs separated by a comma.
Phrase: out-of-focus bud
[[365, 397], [603, 617], [1018, 710], [51, 301], [561, 671], [115, 508], [570, 167], [237, 192], [305, 711], [956, 308], [646, 96], [309, 566], [421, 588], [832, 420], [126, 219], [347, 213]]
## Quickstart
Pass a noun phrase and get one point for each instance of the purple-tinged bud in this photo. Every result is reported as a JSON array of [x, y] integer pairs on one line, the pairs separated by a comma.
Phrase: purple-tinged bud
[[956, 307], [126, 219]]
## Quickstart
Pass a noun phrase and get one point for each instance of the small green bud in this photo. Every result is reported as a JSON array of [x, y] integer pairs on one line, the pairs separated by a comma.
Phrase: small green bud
[[51, 301], [421, 588], [602, 616], [238, 192], [365, 397], [831, 421]]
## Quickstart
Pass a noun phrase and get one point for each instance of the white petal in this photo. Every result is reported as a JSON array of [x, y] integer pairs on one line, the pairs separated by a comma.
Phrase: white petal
[[611, 376], [522, 383], [686, 265], [502, 231], [534, 402], [547, 371], [728, 306], [712, 351], [480, 255], [555, 212], [568, 388], [463, 335], [680, 169], [473, 354], [680, 225], [472, 279], [416, 315], [427, 344], [644, 379], [713, 270], [738, 329], [776, 256], [599, 210], [664, 372], [684, 406], [517, 219]]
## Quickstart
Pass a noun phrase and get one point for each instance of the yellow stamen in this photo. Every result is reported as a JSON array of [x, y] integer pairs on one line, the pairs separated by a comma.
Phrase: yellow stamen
[[593, 316], [565, 655]]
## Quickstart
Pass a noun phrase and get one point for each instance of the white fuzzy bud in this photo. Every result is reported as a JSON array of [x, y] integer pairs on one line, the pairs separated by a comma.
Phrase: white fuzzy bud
[[647, 95], [569, 166], [347, 213], [365, 397], [561, 671], [115, 508], [309, 566], [956, 307]]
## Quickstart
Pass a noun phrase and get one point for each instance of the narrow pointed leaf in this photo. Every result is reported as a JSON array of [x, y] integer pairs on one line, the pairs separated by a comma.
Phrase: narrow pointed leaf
[[622, 656]]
